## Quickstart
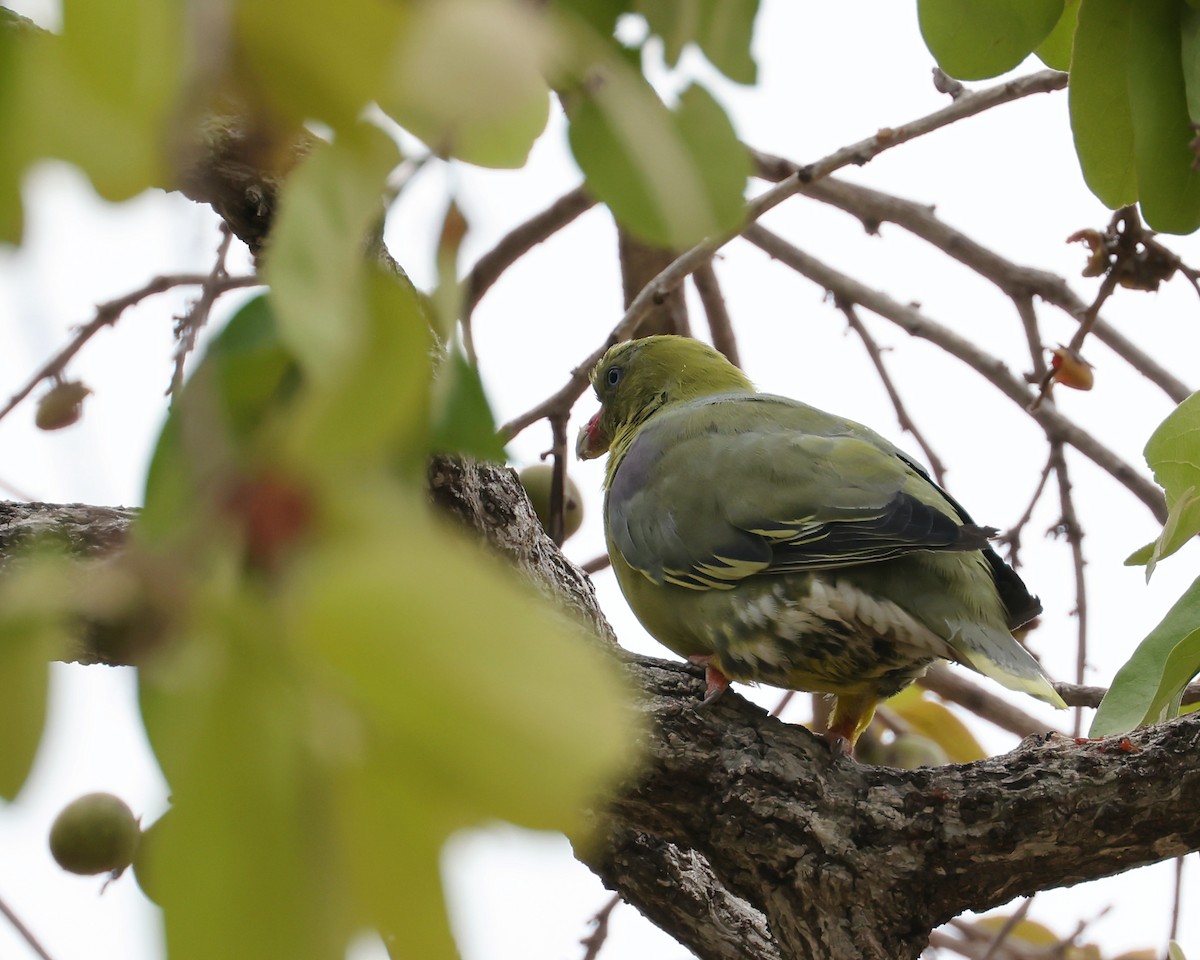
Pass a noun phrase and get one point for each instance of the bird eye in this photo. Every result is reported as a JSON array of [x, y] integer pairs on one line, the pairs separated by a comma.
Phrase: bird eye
[[613, 376]]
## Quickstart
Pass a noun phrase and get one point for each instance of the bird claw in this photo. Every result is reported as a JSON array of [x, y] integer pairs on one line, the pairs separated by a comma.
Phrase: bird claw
[[715, 682]]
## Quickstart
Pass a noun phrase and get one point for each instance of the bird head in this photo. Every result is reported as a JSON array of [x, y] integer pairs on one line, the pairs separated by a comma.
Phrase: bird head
[[637, 378]]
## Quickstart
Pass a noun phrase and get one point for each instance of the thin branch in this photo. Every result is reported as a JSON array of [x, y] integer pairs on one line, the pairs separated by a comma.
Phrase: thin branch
[[720, 326], [511, 247], [1012, 536], [951, 685], [1054, 424], [595, 940], [906, 422], [1073, 531], [108, 313], [193, 321], [1006, 929], [24, 931], [691, 260], [873, 207], [596, 564]]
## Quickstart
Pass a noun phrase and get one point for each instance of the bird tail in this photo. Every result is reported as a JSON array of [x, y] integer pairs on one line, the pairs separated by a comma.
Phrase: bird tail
[[995, 654]]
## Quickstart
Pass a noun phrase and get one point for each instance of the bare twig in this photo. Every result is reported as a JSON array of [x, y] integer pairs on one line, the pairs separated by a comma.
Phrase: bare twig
[[1006, 929], [596, 564], [511, 247], [906, 422], [108, 313], [874, 207], [952, 685], [191, 323], [24, 931], [1012, 536], [689, 261], [720, 326], [595, 940], [917, 324], [1071, 529]]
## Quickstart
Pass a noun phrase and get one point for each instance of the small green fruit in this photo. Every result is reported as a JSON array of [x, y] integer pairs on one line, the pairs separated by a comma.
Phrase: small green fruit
[[96, 833], [536, 480]]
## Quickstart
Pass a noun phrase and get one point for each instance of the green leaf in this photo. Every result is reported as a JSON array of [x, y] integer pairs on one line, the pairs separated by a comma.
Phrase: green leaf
[[671, 178], [309, 64], [721, 159], [1173, 453], [722, 29], [462, 417], [247, 859], [1189, 24], [1147, 688], [35, 594], [985, 38], [415, 651], [244, 379], [103, 94], [1055, 50], [328, 208], [377, 411], [468, 80], [933, 720], [1168, 187], [1101, 120]]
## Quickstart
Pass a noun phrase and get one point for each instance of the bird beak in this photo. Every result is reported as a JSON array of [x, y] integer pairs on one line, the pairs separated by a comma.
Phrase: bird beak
[[591, 442]]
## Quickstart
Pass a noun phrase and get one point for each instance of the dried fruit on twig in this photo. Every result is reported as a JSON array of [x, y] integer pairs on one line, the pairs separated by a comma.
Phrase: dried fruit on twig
[[1070, 369], [62, 406]]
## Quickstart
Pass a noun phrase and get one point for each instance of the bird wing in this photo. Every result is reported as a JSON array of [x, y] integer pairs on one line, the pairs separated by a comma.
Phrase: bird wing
[[716, 490]]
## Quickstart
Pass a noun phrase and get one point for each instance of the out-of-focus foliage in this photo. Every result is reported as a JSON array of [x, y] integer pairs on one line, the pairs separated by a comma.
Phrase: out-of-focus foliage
[[1149, 686], [1134, 86], [327, 670]]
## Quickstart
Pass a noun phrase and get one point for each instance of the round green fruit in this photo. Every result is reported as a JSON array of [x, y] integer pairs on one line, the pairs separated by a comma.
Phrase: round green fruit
[[97, 833], [537, 480]]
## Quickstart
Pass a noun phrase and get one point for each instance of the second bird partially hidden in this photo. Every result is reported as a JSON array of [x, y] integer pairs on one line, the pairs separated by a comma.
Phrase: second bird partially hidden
[[774, 542]]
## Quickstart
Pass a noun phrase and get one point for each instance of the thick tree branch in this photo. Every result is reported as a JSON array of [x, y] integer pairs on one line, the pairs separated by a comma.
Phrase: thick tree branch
[[742, 835]]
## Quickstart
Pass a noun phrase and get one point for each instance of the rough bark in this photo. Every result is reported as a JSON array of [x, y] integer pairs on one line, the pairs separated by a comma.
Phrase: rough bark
[[743, 837]]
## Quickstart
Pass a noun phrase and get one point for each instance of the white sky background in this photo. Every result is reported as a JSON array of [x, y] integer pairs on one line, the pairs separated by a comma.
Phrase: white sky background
[[830, 74]]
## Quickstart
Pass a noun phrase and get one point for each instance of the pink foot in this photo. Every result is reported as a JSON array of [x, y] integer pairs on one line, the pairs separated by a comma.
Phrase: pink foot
[[715, 682]]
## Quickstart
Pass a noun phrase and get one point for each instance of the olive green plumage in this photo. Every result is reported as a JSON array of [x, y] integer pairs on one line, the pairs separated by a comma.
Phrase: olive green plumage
[[778, 543]]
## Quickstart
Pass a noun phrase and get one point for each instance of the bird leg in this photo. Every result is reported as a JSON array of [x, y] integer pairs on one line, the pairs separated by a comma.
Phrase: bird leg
[[715, 682], [851, 715]]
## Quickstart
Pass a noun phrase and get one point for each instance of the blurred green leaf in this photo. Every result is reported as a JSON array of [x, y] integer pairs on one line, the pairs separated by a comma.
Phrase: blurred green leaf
[[972, 41], [307, 61], [1168, 187], [1101, 120], [316, 269], [933, 720], [407, 618], [672, 178], [244, 376], [468, 80], [599, 15], [1173, 453], [248, 858], [1055, 50], [720, 157], [377, 411], [722, 29], [102, 94], [1147, 688], [1190, 52], [35, 596], [462, 417]]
